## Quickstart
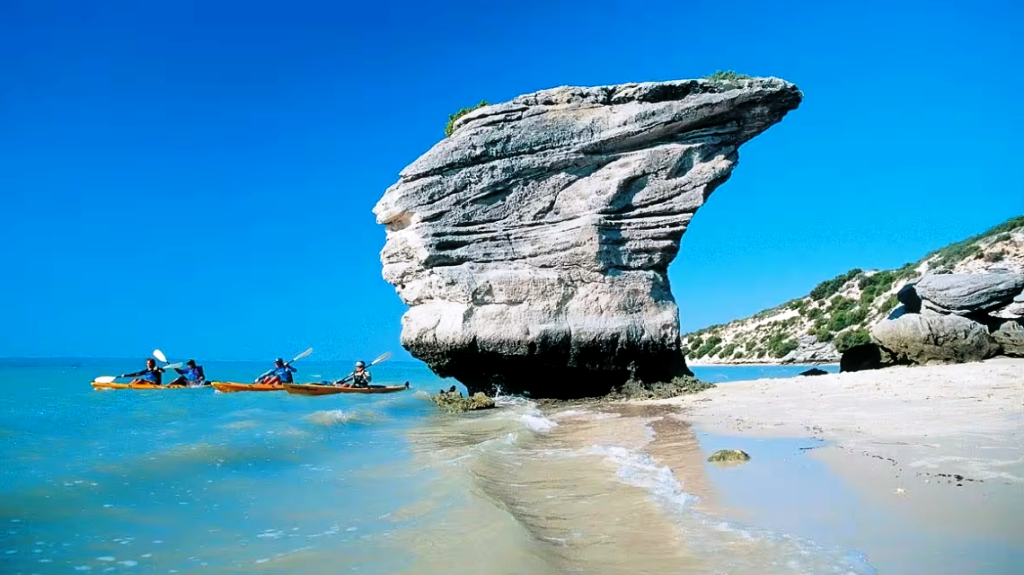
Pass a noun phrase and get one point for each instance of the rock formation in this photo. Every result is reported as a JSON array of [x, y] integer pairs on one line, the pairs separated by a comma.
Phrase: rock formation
[[963, 317], [532, 245], [965, 294], [925, 339]]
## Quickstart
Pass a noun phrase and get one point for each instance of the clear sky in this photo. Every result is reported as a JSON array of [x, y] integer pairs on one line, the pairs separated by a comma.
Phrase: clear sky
[[198, 176]]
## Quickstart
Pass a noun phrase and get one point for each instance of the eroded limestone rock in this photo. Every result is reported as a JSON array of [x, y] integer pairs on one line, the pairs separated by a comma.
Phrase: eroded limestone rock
[[729, 456], [966, 294], [532, 245], [928, 339]]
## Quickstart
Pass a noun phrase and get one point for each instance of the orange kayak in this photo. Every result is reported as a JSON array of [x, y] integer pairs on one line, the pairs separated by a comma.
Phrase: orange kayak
[[101, 385], [321, 389], [230, 387]]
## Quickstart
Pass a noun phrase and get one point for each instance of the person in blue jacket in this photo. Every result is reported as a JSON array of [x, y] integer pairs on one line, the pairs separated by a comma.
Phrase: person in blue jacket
[[191, 376], [282, 373], [152, 374]]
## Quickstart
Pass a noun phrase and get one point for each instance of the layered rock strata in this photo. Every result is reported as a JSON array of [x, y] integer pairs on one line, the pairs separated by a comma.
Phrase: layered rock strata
[[532, 245]]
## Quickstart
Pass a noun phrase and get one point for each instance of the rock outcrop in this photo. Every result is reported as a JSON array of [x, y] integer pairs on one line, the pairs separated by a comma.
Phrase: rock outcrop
[[1010, 336], [926, 339], [729, 456], [453, 402], [864, 357], [532, 245], [966, 294]]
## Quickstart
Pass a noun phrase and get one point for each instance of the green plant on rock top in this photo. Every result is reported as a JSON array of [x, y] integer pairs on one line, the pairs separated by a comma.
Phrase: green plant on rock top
[[453, 117], [779, 345], [726, 76], [851, 338]]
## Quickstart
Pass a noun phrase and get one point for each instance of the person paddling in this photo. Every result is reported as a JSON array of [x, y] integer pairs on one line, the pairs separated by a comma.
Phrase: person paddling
[[191, 376], [359, 377], [152, 374], [282, 373]]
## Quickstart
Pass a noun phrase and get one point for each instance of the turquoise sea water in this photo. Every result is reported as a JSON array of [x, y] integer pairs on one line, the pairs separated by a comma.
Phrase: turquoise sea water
[[191, 480]]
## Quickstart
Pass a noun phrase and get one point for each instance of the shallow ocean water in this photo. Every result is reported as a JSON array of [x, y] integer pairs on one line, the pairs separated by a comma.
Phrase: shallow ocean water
[[188, 481]]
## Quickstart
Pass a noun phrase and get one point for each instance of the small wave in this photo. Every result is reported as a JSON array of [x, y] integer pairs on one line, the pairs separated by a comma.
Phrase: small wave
[[641, 470], [332, 417], [538, 423]]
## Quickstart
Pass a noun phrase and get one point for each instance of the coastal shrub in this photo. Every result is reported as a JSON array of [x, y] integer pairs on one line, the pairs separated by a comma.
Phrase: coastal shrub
[[993, 257], [728, 350], [726, 76], [845, 318], [452, 117], [840, 304], [851, 338], [1003, 237], [889, 304], [907, 271], [823, 334], [779, 345], [739, 355], [709, 345], [696, 342], [829, 288], [948, 256], [815, 313]]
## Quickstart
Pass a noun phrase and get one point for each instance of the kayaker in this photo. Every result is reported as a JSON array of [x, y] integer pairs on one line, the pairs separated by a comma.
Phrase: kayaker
[[191, 376], [152, 374], [282, 373], [359, 377]]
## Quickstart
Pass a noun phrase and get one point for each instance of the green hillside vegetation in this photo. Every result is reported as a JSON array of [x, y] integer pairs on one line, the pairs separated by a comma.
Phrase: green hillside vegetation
[[840, 310]]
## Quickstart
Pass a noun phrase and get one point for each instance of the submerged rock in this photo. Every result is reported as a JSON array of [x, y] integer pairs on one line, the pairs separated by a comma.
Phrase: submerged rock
[[813, 371], [453, 402], [925, 339], [532, 245], [728, 456], [966, 294]]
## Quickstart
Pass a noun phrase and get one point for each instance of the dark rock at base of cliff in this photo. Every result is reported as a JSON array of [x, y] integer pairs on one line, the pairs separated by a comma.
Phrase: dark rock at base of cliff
[[1009, 334], [453, 402], [814, 371], [910, 300], [553, 374], [863, 357], [634, 389]]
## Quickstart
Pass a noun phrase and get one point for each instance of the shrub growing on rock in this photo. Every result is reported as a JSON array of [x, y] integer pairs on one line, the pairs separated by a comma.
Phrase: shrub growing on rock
[[828, 288], [452, 117], [851, 338]]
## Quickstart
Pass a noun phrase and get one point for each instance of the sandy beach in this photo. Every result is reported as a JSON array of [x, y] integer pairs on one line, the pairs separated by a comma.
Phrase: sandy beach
[[921, 468]]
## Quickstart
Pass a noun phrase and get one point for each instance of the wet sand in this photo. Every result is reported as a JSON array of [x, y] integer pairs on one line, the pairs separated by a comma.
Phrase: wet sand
[[920, 468]]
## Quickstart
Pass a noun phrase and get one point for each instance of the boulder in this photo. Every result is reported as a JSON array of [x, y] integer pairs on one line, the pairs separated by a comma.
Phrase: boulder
[[928, 339], [967, 294], [813, 371], [863, 357], [728, 456], [811, 350], [1010, 336], [536, 239], [910, 300]]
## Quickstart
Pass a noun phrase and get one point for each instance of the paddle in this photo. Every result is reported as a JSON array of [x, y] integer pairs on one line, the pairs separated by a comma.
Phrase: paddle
[[382, 357], [160, 355], [296, 358]]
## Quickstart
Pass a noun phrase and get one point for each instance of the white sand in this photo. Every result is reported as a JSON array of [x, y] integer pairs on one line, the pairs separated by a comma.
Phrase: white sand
[[933, 457], [960, 415]]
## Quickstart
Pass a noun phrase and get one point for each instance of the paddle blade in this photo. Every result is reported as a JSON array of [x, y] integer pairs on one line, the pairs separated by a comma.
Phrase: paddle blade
[[383, 357], [105, 379], [303, 354], [173, 365], [159, 355]]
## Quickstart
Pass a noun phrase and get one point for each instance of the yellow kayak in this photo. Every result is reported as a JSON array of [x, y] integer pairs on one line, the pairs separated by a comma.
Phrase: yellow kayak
[[231, 387], [104, 385], [321, 389]]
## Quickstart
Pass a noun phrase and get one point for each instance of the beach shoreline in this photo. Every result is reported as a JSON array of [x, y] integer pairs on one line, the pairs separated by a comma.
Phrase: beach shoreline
[[920, 468]]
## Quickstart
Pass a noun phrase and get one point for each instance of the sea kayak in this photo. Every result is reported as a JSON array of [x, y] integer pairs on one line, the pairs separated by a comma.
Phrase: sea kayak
[[230, 386], [104, 385], [326, 389]]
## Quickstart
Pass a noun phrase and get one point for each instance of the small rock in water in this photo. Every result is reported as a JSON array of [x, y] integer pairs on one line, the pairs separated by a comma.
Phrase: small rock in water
[[453, 402], [728, 455], [814, 371]]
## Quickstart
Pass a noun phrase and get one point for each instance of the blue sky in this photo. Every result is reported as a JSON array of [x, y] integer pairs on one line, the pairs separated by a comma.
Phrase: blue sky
[[198, 176]]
